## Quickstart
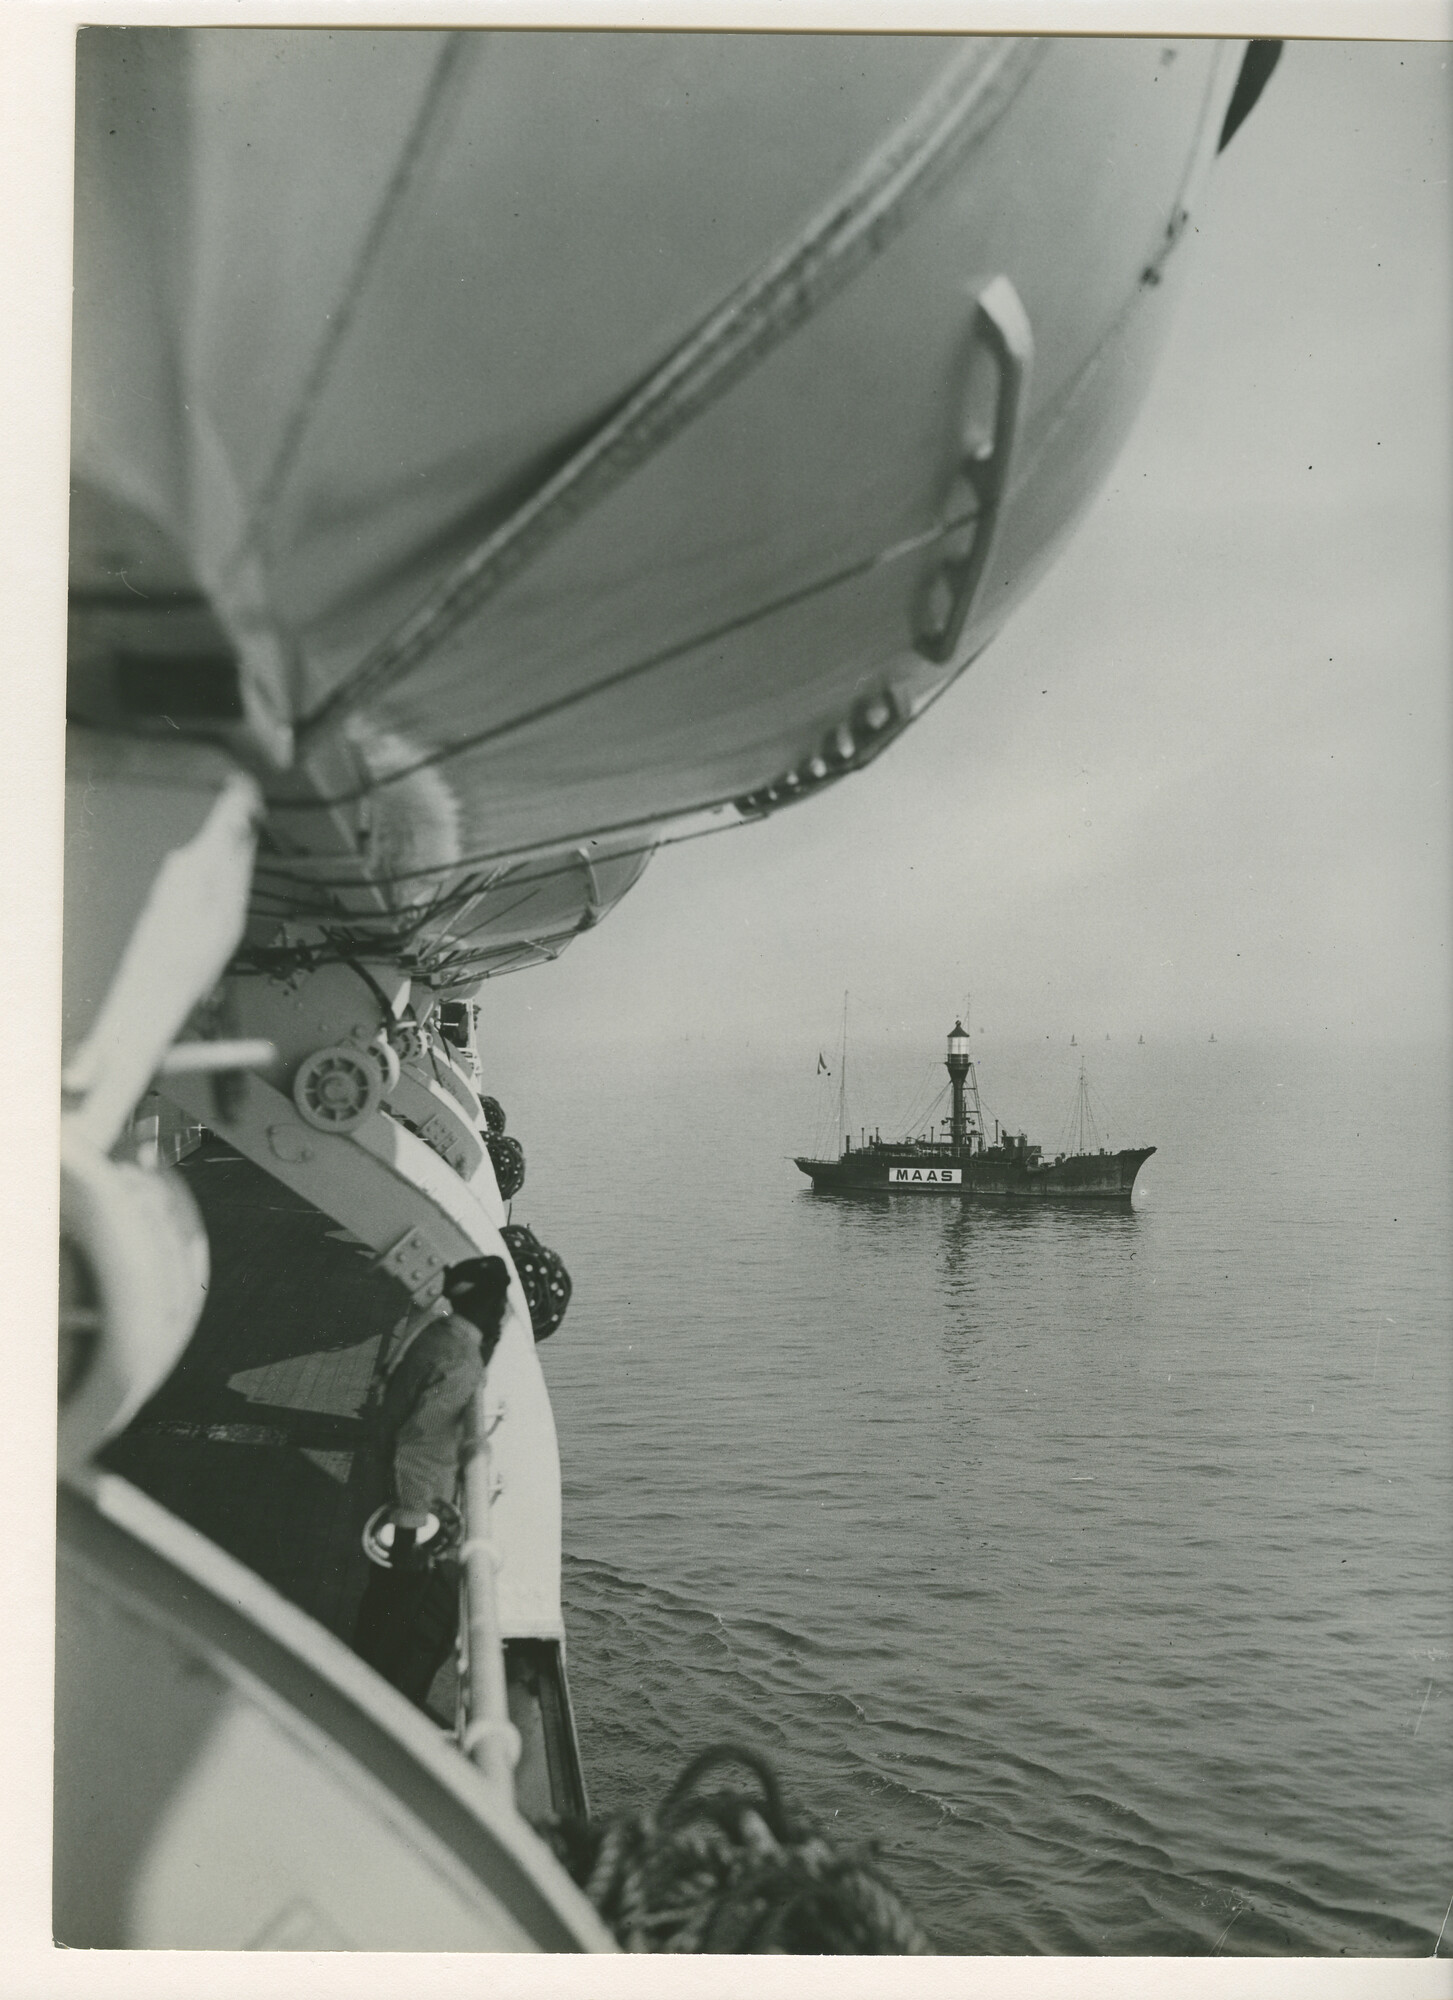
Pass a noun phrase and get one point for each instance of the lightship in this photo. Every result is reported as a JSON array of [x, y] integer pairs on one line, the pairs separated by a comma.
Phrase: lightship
[[965, 1162]]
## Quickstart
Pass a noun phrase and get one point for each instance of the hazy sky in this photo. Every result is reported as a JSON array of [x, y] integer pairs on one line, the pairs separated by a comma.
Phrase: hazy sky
[[1201, 780]]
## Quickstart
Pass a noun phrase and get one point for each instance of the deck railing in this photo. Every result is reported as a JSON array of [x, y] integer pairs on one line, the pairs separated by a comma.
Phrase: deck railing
[[486, 1735]]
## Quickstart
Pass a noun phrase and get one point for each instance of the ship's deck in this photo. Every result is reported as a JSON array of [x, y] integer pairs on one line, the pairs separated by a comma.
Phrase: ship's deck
[[257, 1437]]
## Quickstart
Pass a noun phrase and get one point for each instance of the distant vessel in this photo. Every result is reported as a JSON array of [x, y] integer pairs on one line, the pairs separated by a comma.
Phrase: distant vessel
[[965, 1163], [1213, 1038]]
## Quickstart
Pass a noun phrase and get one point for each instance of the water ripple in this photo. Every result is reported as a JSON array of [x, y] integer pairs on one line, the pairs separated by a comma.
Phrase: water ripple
[[1093, 1565]]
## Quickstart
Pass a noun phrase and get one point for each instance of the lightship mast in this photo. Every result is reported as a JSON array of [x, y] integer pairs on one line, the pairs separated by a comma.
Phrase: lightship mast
[[842, 1085]]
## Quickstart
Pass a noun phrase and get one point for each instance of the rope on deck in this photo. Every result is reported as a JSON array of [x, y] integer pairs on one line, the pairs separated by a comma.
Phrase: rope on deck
[[729, 1871]]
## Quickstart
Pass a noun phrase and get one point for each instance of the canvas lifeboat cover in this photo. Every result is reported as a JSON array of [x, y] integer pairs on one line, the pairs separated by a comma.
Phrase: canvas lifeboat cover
[[564, 430]]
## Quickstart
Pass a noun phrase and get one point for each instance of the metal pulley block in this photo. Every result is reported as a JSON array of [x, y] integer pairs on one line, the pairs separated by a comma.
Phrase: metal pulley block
[[337, 1087], [406, 1038], [386, 1056]]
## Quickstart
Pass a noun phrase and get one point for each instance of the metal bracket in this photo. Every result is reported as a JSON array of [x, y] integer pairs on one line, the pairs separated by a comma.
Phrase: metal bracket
[[434, 1132], [413, 1260], [1002, 334], [290, 1143]]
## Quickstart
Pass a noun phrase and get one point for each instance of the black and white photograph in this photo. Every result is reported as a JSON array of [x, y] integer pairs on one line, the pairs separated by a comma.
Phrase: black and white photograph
[[754, 1003]]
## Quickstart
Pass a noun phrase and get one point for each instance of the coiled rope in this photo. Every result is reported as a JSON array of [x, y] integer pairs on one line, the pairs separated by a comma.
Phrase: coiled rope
[[729, 1871]]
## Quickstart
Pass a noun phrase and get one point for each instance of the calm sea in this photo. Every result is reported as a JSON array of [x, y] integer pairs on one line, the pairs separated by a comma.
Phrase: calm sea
[[1095, 1565]]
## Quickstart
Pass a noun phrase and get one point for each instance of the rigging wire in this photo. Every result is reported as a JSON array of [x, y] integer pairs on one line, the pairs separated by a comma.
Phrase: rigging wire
[[1082, 1121], [909, 1119], [909, 1115], [826, 1114], [662, 836], [665, 656], [339, 323], [858, 223], [672, 829]]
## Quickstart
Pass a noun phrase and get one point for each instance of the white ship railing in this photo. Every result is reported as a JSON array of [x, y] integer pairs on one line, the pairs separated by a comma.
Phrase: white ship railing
[[486, 1735]]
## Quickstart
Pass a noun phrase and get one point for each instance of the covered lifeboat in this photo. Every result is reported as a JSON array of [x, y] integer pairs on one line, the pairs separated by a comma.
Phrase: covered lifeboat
[[635, 435]]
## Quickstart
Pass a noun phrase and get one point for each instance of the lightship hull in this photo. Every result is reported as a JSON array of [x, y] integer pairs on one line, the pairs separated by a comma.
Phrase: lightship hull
[[994, 1174]]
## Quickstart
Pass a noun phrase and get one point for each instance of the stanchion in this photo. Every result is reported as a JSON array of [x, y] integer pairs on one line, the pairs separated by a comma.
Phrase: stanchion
[[486, 1735]]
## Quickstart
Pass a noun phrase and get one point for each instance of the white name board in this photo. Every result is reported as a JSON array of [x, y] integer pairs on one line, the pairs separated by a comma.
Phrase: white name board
[[924, 1176]]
